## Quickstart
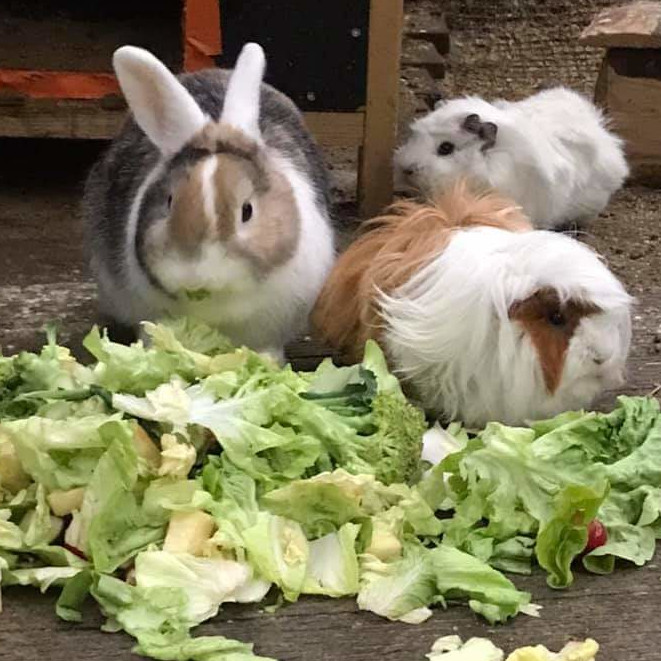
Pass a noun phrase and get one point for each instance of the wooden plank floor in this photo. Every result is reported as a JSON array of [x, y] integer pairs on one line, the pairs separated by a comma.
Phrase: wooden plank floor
[[42, 278]]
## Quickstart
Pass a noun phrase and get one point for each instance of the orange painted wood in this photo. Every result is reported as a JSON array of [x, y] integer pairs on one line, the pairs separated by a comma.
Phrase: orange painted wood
[[202, 39], [57, 84]]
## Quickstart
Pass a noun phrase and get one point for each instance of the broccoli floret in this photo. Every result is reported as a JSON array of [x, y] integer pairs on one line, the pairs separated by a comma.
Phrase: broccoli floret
[[397, 440]]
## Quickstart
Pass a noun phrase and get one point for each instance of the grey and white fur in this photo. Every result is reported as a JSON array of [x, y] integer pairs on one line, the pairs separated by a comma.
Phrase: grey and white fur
[[213, 201]]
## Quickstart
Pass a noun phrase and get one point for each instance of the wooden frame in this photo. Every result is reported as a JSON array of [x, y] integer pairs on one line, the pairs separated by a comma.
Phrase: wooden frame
[[46, 104], [375, 174]]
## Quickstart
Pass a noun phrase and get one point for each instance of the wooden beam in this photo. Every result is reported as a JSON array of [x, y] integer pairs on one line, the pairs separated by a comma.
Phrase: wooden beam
[[50, 118], [385, 43], [57, 84], [22, 117]]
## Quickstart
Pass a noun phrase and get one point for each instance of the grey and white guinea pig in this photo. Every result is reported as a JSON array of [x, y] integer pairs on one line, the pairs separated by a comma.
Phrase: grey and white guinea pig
[[213, 202], [481, 316], [552, 153]]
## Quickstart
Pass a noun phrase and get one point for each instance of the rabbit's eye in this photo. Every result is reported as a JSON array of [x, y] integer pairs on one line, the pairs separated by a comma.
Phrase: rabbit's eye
[[246, 212], [556, 318], [445, 148], [169, 201]]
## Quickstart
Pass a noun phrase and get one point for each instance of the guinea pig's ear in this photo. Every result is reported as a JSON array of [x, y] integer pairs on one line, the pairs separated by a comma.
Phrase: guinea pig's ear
[[161, 105], [488, 133], [241, 107], [472, 124]]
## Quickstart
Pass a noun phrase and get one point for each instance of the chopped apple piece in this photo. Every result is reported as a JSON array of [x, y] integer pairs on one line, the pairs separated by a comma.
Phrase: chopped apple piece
[[145, 447], [188, 531], [65, 502], [12, 476], [384, 543]]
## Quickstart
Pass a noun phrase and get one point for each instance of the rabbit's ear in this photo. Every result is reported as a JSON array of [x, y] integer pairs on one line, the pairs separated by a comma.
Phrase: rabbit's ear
[[241, 108], [161, 105]]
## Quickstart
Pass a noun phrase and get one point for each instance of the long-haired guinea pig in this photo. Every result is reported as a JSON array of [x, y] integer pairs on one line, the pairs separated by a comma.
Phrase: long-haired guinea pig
[[213, 201], [551, 153], [483, 317]]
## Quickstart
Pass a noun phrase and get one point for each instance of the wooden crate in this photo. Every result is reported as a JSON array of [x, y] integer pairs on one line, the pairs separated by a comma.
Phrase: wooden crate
[[629, 83], [348, 101]]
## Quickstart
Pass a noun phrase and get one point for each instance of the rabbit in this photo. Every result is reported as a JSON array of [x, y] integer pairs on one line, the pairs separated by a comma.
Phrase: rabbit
[[481, 316], [552, 153], [212, 202]]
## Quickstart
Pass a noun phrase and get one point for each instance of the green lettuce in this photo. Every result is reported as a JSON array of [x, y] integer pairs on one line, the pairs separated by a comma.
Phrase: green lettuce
[[53, 369], [59, 454], [279, 551], [489, 593], [135, 368], [158, 617], [206, 582], [332, 567], [399, 590], [112, 525], [499, 477], [252, 429]]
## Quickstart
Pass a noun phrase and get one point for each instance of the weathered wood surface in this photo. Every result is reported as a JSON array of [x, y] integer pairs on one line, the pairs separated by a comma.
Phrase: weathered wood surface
[[42, 278], [621, 611], [629, 89], [375, 176], [21, 117], [634, 25]]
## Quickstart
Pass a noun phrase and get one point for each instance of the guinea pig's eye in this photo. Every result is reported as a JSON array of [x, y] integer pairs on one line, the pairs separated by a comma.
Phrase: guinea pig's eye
[[445, 148], [169, 201], [246, 212], [556, 318]]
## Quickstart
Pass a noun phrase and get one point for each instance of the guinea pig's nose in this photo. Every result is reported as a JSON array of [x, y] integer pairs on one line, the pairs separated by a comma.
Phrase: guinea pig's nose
[[409, 171], [598, 360]]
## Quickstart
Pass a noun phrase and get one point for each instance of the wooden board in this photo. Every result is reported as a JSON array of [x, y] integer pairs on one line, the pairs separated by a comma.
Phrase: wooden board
[[629, 88], [621, 611], [101, 120], [634, 25]]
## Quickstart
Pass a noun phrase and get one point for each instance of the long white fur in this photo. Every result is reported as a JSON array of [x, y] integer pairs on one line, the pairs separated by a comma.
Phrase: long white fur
[[554, 154], [448, 329], [241, 107], [162, 107]]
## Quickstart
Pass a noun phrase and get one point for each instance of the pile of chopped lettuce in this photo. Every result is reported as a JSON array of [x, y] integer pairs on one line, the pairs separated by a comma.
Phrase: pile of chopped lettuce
[[169, 478], [512, 496]]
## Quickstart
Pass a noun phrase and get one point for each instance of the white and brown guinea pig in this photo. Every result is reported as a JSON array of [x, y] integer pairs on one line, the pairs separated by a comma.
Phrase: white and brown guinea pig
[[552, 153], [211, 202], [483, 317]]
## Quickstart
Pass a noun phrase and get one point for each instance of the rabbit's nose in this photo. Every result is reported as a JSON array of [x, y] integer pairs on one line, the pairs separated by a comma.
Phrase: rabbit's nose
[[409, 171], [599, 360]]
